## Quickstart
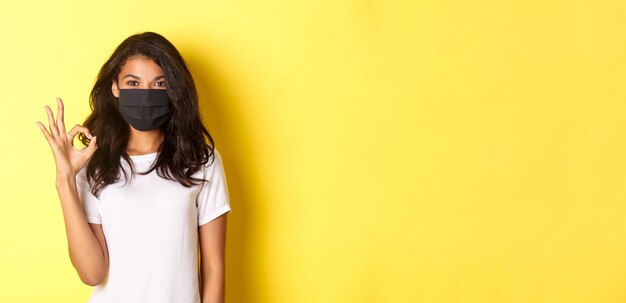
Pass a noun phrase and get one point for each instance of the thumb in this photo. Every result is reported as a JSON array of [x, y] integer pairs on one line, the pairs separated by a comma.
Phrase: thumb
[[93, 145]]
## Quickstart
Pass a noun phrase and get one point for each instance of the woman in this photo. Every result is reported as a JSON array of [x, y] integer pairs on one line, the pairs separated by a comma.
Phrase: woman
[[148, 187]]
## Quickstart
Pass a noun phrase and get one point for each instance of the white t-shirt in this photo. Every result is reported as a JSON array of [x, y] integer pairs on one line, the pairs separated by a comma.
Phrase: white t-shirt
[[151, 230]]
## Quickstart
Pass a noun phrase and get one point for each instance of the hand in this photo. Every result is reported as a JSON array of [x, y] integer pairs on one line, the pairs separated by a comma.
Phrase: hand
[[69, 160]]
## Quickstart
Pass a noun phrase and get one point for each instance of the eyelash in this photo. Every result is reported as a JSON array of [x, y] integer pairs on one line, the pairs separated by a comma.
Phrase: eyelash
[[129, 83]]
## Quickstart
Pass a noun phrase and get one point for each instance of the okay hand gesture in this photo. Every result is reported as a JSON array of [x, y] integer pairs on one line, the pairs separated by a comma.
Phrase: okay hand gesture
[[69, 160]]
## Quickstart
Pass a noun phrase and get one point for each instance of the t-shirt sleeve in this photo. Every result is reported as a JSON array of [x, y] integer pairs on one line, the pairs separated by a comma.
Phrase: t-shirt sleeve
[[213, 200], [90, 203]]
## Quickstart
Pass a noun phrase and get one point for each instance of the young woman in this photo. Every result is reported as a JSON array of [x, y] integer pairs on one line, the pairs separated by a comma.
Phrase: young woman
[[148, 191]]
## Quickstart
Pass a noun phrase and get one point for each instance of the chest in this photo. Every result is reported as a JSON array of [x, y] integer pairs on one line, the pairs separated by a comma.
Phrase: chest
[[148, 199]]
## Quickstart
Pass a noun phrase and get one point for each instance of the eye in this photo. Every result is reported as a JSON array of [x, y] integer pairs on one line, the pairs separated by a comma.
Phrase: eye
[[160, 83], [131, 82]]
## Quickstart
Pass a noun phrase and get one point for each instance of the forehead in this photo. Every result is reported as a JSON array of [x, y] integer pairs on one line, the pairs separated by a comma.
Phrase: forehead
[[140, 66]]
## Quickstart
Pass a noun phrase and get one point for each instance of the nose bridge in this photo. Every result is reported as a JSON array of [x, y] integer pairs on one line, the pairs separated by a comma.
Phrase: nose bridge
[[145, 84]]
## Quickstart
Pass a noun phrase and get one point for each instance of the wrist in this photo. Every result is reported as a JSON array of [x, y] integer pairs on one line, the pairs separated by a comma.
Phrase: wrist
[[65, 179], [65, 173]]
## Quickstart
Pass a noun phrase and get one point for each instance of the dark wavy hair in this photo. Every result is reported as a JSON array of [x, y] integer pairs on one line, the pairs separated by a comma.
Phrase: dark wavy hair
[[184, 150]]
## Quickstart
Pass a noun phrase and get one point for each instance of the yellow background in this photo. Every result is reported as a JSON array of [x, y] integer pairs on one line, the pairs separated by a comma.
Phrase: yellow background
[[376, 151]]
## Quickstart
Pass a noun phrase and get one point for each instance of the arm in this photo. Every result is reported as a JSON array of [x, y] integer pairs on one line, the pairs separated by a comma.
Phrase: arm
[[86, 242], [86, 245], [212, 238]]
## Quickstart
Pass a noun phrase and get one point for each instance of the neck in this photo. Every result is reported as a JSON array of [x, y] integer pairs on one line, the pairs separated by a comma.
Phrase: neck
[[144, 142]]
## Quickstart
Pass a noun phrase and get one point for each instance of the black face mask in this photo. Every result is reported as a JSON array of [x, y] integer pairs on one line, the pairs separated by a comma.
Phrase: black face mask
[[145, 109]]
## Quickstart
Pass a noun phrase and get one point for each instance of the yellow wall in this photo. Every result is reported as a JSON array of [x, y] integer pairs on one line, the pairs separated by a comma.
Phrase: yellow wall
[[377, 151]]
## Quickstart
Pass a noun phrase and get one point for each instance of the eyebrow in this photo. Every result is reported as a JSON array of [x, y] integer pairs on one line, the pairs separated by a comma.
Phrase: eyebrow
[[137, 77]]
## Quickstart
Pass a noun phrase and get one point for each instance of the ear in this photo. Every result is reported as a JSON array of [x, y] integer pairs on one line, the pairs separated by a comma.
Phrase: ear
[[115, 90]]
